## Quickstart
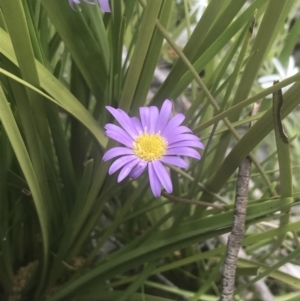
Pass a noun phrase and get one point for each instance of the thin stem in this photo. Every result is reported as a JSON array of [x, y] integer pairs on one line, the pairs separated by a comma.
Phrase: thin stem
[[192, 202]]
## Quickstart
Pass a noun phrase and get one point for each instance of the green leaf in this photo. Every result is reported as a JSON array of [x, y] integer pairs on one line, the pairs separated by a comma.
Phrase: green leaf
[[58, 91], [141, 48], [18, 145], [78, 37], [166, 241], [254, 135]]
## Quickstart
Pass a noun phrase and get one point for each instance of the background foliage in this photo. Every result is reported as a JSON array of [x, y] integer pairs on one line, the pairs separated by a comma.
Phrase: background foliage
[[68, 231]]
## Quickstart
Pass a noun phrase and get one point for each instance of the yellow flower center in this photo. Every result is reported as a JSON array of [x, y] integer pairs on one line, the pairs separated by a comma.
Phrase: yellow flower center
[[149, 147]]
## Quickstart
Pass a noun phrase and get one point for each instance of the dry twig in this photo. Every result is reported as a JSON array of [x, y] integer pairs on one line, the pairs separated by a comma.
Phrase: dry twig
[[238, 227], [237, 232]]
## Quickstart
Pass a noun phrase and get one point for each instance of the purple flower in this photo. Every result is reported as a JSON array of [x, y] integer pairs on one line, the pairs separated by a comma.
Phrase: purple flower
[[150, 142], [104, 4]]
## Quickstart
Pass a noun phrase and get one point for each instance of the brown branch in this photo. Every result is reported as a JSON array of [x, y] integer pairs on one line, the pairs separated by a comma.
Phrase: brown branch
[[237, 232], [238, 227]]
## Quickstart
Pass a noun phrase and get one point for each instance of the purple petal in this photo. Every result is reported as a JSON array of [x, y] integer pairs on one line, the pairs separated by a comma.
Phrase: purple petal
[[115, 152], [154, 113], [118, 134], [187, 143], [163, 176], [124, 120], [145, 118], [71, 3], [89, 2], [183, 151], [138, 170], [128, 121], [164, 115], [181, 130], [119, 138], [154, 181], [183, 137], [173, 123], [127, 169], [138, 125], [176, 161], [120, 163], [104, 4]]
